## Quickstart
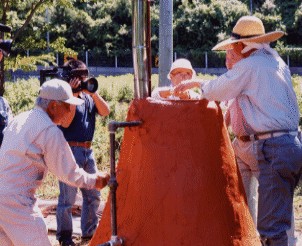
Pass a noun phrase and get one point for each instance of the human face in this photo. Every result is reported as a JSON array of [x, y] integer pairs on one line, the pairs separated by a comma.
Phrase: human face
[[180, 74], [60, 113], [232, 57]]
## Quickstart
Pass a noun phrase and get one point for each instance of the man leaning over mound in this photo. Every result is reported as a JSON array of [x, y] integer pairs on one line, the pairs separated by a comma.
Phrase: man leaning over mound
[[32, 145], [264, 116]]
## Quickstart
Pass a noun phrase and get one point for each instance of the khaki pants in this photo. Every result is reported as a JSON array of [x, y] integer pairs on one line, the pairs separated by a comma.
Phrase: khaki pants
[[21, 222]]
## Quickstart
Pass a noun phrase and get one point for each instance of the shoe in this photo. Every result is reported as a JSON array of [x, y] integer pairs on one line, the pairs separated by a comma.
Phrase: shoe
[[86, 239], [67, 243]]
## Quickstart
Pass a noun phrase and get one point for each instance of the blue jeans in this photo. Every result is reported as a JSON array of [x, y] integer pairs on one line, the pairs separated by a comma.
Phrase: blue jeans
[[277, 169], [91, 200]]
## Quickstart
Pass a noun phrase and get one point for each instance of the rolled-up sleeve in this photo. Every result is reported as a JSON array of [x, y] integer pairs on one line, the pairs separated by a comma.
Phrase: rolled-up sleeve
[[60, 160]]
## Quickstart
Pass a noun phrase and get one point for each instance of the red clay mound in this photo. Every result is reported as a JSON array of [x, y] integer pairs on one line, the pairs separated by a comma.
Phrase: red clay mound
[[178, 181]]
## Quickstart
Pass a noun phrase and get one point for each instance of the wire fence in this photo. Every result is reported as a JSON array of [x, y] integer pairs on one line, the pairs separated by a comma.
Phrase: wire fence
[[204, 59], [102, 63]]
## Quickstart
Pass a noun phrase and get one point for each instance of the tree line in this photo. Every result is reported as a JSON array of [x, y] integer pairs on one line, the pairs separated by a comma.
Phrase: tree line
[[45, 27]]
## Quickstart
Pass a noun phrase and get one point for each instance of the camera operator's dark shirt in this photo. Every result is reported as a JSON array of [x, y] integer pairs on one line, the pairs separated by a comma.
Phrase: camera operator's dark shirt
[[82, 126]]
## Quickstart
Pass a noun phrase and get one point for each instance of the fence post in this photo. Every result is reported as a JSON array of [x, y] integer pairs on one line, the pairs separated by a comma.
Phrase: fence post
[[206, 59], [86, 53], [288, 60], [175, 56], [57, 56], [115, 61]]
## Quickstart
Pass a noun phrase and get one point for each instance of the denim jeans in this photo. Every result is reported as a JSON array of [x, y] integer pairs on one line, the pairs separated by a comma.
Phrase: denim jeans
[[91, 200], [270, 170]]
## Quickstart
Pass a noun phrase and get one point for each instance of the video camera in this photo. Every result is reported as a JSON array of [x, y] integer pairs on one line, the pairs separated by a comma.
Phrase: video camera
[[66, 74], [5, 45]]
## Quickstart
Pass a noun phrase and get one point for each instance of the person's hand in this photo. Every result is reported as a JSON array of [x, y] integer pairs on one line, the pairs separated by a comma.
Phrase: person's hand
[[75, 83], [182, 94], [186, 85], [101, 180]]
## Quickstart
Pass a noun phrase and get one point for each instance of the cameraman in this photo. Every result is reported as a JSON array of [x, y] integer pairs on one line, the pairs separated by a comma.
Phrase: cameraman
[[79, 136]]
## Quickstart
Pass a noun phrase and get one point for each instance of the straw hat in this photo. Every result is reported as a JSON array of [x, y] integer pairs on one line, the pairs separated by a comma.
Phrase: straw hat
[[249, 29], [181, 63]]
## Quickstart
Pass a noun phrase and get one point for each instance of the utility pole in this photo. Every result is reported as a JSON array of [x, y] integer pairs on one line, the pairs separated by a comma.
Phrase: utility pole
[[165, 40]]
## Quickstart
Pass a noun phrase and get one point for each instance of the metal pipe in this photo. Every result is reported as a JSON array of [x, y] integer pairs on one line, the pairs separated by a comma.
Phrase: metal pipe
[[113, 126], [141, 48], [148, 46]]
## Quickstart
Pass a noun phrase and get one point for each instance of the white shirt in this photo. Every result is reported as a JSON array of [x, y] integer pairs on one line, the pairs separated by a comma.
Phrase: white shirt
[[32, 145], [261, 86]]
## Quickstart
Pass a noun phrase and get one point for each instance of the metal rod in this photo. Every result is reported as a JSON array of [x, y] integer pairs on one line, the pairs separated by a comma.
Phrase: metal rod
[[113, 184], [140, 45], [113, 126], [148, 46]]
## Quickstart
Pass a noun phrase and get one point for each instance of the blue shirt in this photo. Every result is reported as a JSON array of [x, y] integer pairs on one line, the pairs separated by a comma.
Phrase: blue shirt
[[82, 126]]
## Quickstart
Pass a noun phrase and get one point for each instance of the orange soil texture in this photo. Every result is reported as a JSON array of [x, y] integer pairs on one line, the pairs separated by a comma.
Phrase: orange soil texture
[[178, 180]]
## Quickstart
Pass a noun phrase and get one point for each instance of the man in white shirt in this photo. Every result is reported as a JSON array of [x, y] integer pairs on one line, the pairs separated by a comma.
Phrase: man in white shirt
[[264, 114], [32, 145]]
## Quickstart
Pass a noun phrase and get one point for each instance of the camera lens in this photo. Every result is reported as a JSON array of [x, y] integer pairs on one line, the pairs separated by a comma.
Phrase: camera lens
[[90, 85]]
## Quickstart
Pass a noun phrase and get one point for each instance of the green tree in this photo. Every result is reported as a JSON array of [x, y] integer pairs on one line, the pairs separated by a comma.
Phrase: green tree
[[198, 26], [25, 18]]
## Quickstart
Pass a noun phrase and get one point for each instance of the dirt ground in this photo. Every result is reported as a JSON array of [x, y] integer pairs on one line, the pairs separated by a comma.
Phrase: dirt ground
[[76, 239], [298, 227]]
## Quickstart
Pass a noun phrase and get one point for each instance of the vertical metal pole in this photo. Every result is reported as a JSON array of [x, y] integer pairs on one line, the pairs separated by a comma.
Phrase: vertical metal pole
[[113, 184], [86, 55], [206, 60], [113, 125], [175, 56], [165, 40], [141, 61], [251, 7], [115, 61], [148, 46], [288, 60]]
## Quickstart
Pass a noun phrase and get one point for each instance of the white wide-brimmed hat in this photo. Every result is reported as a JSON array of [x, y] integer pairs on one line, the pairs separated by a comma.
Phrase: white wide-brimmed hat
[[59, 90], [181, 63], [248, 29]]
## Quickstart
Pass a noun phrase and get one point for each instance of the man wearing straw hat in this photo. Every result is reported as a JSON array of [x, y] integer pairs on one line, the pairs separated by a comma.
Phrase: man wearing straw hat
[[263, 113]]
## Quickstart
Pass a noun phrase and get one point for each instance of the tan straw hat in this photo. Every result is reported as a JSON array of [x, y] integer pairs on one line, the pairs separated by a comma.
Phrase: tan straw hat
[[249, 29]]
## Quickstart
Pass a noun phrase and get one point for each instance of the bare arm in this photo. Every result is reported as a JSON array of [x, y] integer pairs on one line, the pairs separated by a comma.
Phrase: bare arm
[[188, 84], [101, 105]]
